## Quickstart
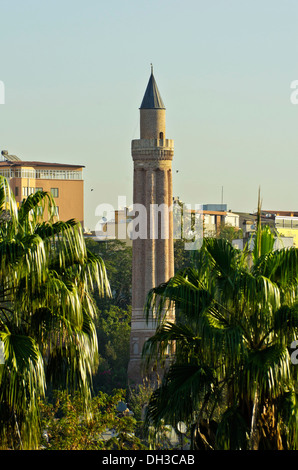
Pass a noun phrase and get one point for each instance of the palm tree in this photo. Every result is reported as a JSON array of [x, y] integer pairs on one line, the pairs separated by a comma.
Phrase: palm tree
[[231, 379], [46, 312]]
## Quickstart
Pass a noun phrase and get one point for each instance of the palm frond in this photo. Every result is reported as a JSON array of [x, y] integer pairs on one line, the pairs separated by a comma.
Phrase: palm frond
[[32, 209], [46, 310], [173, 335], [184, 290], [23, 379], [269, 369], [232, 430], [179, 395]]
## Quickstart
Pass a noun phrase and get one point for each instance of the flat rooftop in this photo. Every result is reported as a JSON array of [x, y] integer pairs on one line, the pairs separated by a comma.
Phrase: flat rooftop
[[38, 164]]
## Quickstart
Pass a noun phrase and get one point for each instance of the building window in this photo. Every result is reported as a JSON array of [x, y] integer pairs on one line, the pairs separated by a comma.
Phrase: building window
[[287, 223], [279, 222], [42, 174], [27, 191], [55, 192], [38, 189], [16, 191], [59, 174], [22, 173], [56, 210], [6, 173]]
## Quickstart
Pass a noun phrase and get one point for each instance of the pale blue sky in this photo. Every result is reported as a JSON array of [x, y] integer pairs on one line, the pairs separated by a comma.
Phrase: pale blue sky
[[75, 73]]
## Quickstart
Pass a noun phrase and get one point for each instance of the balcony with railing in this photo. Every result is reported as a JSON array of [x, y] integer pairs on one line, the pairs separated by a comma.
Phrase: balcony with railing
[[41, 174]]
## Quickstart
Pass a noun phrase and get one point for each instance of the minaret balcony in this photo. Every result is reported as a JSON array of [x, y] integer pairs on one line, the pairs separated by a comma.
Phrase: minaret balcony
[[152, 143]]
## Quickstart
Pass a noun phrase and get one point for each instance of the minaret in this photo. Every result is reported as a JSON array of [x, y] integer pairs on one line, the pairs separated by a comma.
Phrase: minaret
[[153, 252]]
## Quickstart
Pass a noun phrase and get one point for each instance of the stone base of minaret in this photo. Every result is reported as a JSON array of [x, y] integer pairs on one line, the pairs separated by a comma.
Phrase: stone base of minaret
[[140, 333], [138, 369]]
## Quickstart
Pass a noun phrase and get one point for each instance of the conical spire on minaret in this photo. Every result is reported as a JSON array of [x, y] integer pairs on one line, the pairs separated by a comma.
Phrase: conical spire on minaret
[[152, 112], [152, 98], [153, 250]]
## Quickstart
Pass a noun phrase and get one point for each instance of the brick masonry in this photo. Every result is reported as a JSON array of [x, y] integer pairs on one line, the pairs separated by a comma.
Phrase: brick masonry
[[153, 257]]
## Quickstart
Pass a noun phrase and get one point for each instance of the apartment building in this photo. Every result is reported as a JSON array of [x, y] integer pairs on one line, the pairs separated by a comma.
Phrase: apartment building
[[285, 223], [63, 181]]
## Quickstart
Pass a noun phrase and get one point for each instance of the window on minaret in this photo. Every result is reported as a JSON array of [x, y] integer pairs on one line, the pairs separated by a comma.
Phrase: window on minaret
[[161, 135]]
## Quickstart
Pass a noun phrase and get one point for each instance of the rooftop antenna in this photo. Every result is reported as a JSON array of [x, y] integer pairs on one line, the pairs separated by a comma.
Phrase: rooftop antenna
[[151, 68]]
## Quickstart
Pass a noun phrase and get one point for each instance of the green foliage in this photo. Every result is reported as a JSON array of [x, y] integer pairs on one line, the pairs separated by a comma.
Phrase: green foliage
[[165, 437], [182, 257], [47, 312], [67, 426], [113, 332], [231, 375], [139, 397], [229, 232], [117, 257], [114, 315]]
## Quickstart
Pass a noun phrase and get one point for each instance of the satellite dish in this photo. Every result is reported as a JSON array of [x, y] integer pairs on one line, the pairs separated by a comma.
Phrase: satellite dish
[[121, 406]]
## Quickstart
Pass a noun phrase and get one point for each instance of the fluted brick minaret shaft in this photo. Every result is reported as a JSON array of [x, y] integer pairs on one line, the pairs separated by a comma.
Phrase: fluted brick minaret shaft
[[153, 254]]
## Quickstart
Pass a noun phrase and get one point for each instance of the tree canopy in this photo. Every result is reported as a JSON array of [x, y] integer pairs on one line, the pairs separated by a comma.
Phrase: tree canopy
[[46, 311], [231, 379]]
